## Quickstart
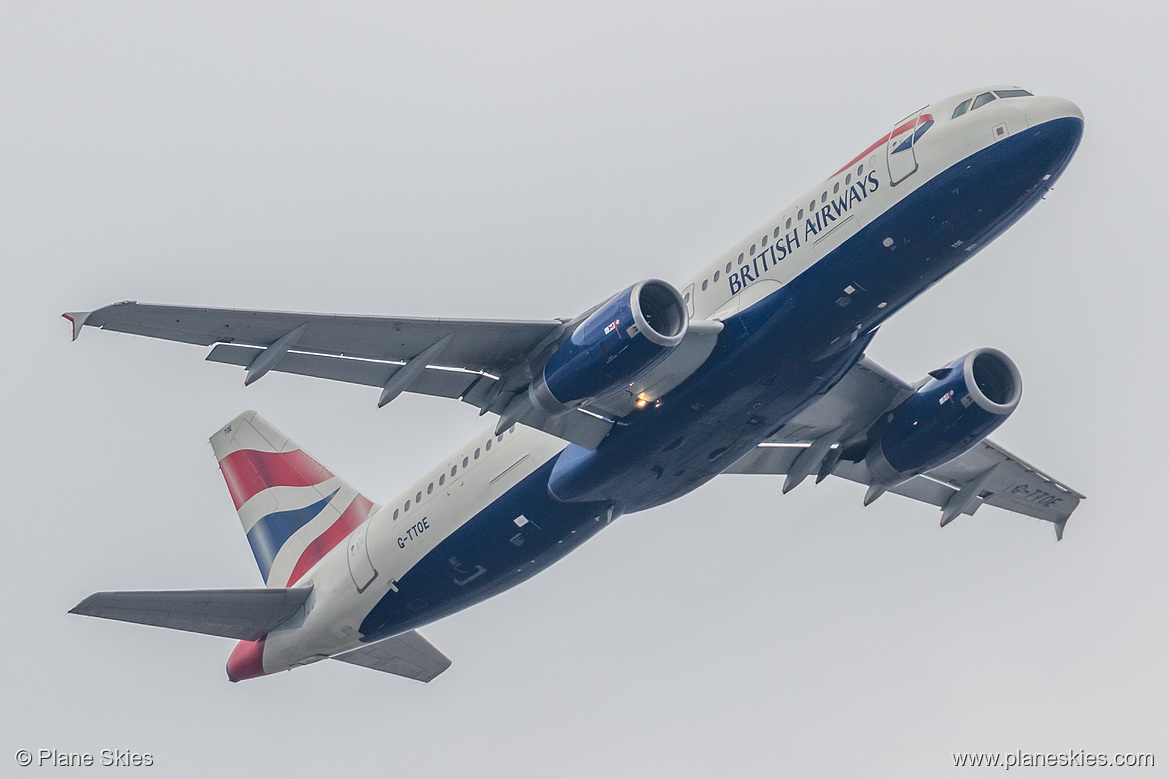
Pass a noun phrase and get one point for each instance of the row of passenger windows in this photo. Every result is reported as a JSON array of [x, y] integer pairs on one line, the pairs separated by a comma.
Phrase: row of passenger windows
[[454, 471], [787, 225], [986, 97]]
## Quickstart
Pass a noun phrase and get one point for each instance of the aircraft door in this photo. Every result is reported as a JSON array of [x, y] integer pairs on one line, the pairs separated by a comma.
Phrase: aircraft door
[[899, 151], [360, 565]]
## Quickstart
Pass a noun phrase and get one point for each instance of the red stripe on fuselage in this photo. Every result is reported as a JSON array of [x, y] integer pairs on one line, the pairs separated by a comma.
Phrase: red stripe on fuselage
[[897, 131], [349, 521], [248, 472]]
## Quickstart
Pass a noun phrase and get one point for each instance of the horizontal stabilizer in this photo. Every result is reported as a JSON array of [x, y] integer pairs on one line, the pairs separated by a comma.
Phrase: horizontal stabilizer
[[242, 614], [409, 655]]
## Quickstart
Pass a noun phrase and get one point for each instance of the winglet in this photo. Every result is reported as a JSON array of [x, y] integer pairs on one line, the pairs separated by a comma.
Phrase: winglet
[[77, 318]]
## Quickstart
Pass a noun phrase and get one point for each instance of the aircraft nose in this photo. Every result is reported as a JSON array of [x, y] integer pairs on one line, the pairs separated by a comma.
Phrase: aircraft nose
[[1046, 109]]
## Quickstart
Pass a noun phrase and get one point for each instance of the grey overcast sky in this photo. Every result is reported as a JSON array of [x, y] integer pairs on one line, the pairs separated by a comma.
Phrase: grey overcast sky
[[526, 160]]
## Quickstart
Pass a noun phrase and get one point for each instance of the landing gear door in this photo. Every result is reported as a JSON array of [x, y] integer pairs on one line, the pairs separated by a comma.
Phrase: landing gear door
[[899, 151], [360, 566]]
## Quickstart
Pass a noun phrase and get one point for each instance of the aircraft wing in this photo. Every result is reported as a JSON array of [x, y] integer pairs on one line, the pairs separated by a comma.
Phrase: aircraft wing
[[409, 655], [986, 473], [483, 362], [478, 346]]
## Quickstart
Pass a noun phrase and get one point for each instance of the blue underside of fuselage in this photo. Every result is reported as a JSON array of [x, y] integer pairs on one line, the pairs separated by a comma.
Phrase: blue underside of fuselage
[[490, 553], [771, 362]]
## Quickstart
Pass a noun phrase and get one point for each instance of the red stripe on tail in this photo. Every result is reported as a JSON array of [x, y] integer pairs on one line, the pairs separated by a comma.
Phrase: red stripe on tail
[[248, 472], [349, 521]]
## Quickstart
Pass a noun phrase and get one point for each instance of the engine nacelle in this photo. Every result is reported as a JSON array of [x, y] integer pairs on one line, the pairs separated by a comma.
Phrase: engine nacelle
[[618, 343], [959, 406]]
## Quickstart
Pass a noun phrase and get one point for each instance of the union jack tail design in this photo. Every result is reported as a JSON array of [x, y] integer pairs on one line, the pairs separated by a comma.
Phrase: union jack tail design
[[293, 509]]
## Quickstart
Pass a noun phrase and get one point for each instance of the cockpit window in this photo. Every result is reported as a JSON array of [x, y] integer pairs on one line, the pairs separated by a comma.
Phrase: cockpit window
[[961, 109], [982, 100], [1012, 93]]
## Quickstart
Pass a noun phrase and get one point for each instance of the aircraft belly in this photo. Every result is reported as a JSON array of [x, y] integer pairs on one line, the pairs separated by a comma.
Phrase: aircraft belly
[[513, 538]]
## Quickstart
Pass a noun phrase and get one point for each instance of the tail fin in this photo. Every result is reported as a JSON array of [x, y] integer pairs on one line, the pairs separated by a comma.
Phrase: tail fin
[[292, 508]]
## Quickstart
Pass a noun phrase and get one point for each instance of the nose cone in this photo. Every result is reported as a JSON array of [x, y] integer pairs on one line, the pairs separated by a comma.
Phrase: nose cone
[[246, 660], [1047, 109]]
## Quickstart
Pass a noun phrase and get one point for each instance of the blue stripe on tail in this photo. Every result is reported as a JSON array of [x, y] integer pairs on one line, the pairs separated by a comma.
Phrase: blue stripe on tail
[[269, 534]]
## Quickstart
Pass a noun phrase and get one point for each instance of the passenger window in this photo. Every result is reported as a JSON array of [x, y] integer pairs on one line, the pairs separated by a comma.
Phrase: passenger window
[[430, 488], [488, 446], [776, 233], [848, 180], [716, 276], [476, 454], [728, 268], [787, 226], [982, 100], [441, 479], [705, 284], [860, 171], [395, 513], [418, 497], [835, 188], [763, 243], [686, 298], [812, 206], [407, 508], [752, 250], [961, 109], [1012, 93], [800, 215], [465, 461], [824, 196], [740, 258]]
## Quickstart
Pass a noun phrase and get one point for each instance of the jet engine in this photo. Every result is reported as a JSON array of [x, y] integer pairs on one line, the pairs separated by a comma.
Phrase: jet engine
[[956, 408], [618, 343]]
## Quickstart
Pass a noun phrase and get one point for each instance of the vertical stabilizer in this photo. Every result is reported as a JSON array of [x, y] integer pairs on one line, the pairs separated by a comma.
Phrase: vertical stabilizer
[[293, 509]]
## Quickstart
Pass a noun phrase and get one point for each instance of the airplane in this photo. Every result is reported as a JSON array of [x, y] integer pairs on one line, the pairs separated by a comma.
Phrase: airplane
[[754, 365]]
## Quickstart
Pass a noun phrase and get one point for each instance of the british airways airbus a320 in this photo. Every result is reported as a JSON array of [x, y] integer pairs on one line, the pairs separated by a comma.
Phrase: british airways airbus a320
[[755, 365]]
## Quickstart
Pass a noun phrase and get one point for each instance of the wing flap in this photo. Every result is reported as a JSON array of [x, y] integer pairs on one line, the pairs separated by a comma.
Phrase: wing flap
[[442, 382], [409, 655], [243, 614]]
